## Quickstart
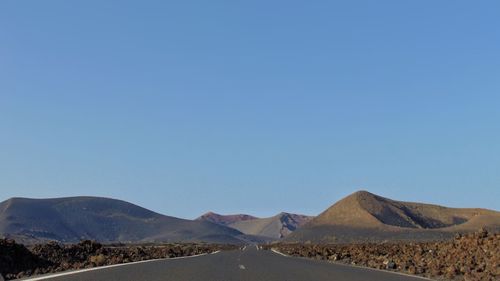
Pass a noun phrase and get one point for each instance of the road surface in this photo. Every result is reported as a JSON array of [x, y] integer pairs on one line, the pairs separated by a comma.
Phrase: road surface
[[249, 264]]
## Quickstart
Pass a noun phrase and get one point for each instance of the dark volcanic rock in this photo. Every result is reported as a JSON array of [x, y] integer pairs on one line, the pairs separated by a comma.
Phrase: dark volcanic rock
[[17, 261], [466, 257], [15, 258]]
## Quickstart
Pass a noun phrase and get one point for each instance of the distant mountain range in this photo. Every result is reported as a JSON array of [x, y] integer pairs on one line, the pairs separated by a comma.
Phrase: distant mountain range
[[360, 217], [107, 220], [366, 217], [275, 227]]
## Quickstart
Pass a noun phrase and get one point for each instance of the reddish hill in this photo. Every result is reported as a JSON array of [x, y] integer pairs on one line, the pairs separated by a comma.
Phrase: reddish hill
[[224, 219], [275, 227]]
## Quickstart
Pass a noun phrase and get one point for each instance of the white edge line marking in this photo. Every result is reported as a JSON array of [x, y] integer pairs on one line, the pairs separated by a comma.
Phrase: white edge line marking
[[359, 266], [109, 266], [279, 253], [256, 247], [244, 248]]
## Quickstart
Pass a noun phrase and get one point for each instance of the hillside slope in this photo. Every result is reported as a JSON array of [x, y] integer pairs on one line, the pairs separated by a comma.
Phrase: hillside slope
[[363, 216], [106, 220]]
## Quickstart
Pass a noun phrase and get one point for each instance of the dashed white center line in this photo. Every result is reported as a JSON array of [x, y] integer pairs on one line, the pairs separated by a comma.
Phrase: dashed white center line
[[242, 267]]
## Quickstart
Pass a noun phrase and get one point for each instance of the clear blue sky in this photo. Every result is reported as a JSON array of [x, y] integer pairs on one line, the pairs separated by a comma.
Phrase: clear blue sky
[[250, 106]]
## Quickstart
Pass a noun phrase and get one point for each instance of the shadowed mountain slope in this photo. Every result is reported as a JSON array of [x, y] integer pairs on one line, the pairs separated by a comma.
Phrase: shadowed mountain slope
[[106, 220], [363, 216]]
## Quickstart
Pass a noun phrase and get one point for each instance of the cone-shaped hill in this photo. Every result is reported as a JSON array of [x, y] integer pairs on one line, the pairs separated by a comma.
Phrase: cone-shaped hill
[[363, 216]]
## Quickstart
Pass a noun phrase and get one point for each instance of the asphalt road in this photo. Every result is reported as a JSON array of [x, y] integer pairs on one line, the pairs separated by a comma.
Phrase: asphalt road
[[249, 264]]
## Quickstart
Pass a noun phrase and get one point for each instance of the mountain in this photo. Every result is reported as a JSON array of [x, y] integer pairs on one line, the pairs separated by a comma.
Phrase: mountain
[[102, 219], [275, 227], [363, 217], [224, 219], [271, 228]]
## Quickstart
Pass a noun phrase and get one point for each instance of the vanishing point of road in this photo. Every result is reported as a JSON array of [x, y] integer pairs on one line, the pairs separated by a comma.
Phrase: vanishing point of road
[[249, 264]]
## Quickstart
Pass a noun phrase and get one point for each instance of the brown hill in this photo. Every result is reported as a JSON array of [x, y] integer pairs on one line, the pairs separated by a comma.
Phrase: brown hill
[[224, 219], [363, 216]]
